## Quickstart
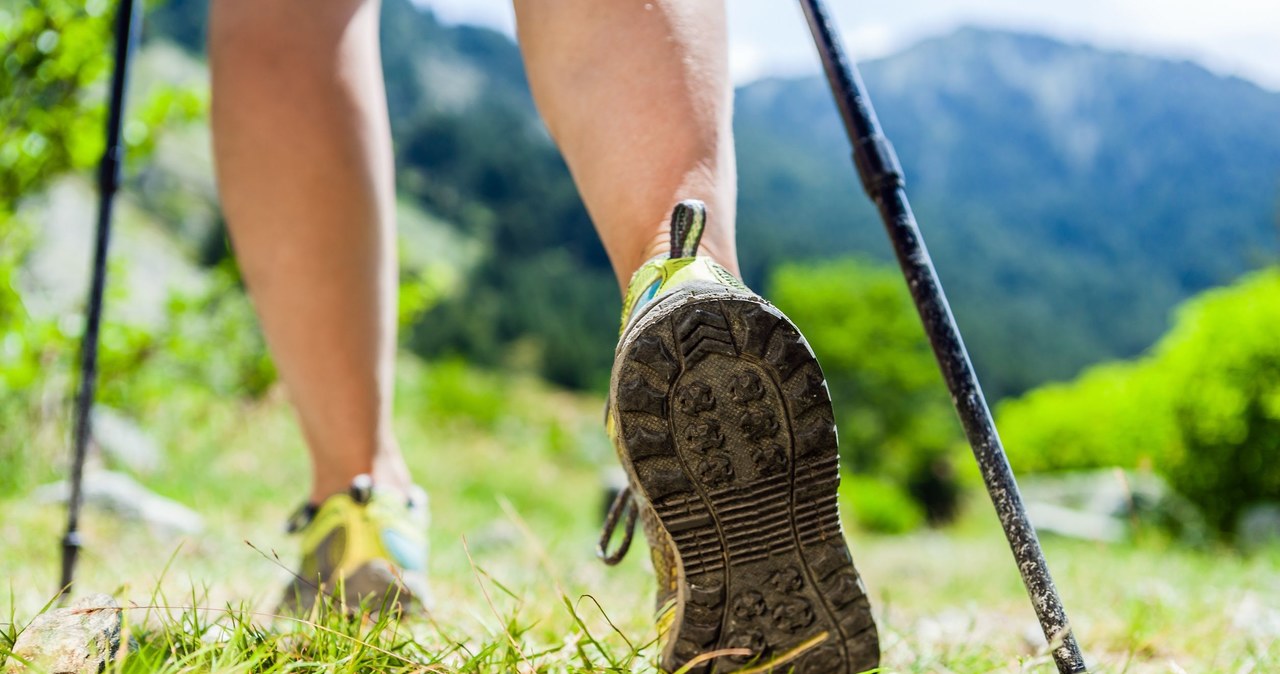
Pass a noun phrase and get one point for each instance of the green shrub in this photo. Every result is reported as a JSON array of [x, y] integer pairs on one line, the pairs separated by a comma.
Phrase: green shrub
[[879, 505], [1224, 357], [1202, 409], [894, 414], [55, 55], [32, 356], [452, 389], [54, 52], [1115, 414]]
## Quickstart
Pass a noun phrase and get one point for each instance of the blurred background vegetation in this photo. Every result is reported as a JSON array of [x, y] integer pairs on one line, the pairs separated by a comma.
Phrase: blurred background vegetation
[[1105, 225]]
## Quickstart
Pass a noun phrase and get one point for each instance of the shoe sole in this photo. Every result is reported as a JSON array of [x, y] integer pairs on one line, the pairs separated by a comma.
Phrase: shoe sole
[[727, 427], [374, 586]]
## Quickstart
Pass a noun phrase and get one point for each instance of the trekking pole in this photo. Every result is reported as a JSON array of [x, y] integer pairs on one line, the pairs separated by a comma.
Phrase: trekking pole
[[128, 23], [882, 179]]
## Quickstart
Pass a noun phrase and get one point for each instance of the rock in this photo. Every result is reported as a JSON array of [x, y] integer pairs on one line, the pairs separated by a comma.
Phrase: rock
[[1104, 505], [79, 639], [121, 440], [122, 495], [158, 265], [1259, 526], [1081, 524]]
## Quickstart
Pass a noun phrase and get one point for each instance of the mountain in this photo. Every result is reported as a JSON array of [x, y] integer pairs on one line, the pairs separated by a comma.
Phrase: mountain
[[1070, 196]]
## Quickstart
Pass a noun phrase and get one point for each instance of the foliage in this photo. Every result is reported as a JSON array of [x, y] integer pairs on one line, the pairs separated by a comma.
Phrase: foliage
[[31, 354], [208, 341], [451, 389], [895, 417], [543, 296], [54, 59], [139, 366], [54, 52], [1039, 210], [1223, 359], [1202, 408], [55, 56], [879, 505], [1114, 414]]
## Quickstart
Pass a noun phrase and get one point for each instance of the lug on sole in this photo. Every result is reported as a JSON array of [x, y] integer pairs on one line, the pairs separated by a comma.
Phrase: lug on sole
[[726, 421]]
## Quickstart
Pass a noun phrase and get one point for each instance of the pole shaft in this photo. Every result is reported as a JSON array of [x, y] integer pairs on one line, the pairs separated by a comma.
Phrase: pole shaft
[[882, 178], [127, 25]]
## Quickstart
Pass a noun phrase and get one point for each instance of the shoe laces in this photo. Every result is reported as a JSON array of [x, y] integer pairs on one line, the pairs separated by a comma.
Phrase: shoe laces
[[623, 509], [360, 491]]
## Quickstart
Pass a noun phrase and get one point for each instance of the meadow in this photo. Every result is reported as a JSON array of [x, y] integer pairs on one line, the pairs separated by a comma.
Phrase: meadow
[[499, 409], [515, 471]]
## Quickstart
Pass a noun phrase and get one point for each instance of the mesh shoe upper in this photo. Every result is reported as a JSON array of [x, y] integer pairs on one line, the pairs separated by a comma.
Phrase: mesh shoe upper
[[367, 544]]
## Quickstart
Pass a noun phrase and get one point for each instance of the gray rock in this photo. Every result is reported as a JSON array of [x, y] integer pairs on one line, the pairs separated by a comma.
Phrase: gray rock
[[79, 639], [157, 264], [1071, 523], [122, 495], [1259, 526], [1104, 505], [121, 440]]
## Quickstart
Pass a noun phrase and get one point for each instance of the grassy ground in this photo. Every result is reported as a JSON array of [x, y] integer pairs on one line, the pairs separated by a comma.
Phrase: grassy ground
[[514, 470]]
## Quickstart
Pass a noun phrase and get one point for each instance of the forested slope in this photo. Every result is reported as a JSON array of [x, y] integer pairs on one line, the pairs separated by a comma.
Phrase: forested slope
[[1070, 196]]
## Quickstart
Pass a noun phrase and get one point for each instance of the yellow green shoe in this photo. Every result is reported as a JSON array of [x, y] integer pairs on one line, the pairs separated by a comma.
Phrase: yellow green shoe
[[365, 548], [722, 420]]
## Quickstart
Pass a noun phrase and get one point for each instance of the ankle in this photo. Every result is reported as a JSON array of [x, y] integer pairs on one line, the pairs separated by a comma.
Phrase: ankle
[[387, 469]]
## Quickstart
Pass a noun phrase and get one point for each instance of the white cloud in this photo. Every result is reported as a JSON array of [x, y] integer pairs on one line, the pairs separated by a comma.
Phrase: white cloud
[[1237, 37]]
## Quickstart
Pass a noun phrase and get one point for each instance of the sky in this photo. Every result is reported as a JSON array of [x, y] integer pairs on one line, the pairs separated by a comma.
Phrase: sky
[[769, 37]]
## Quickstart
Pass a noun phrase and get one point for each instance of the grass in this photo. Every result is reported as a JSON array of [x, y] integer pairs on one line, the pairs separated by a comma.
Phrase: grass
[[514, 469]]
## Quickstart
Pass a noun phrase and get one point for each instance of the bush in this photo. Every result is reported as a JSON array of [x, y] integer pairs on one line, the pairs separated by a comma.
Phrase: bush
[[55, 55], [210, 338], [1115, 414], [452, 389], [1202, 409], [32, 355], [1224, 357], [879, 505], [894, 413]]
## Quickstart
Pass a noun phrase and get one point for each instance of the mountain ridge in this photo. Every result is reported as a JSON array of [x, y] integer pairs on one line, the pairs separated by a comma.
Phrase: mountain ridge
[[1096, 188], [1071, 195]]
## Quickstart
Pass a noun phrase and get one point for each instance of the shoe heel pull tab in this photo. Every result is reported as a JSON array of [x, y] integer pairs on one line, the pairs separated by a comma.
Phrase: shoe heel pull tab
[[687, 222], [361, 490]]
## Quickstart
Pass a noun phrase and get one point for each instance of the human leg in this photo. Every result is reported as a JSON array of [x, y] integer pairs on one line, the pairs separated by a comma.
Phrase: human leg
[[719, 410], [637, 96], [304, 169]]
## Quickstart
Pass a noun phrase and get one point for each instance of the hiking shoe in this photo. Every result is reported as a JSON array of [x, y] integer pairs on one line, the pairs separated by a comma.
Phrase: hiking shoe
[[723, 422], [365, 548]]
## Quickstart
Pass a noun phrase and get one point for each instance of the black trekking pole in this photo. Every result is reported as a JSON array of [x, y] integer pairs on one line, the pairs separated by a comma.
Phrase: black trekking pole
[[128, 23], [882, 179]]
